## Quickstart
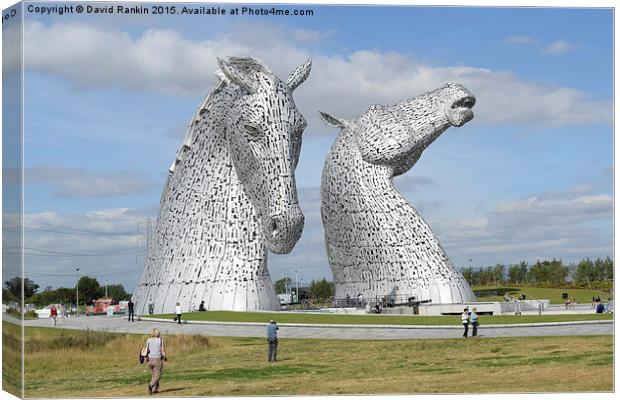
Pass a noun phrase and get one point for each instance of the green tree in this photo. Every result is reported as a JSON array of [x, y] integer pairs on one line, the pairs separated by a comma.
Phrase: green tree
[[282, 284], [557, 272], [89, 289], [585, 272], [47, 297], [8, 296], [117, 292], [497, 274], [15, 287], [608, 268], [468, 274], [322, 289]]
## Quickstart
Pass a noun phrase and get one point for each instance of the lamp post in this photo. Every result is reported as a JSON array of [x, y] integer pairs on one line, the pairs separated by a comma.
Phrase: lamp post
[[77, 294], [296, 289]]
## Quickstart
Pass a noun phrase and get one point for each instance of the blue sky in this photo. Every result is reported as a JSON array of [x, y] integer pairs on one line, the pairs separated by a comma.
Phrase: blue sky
[[107, 99]]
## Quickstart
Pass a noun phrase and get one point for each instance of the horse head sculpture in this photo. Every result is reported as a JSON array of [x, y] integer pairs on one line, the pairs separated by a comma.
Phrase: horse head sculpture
[[377, 244], [265, 133], [230, 196]]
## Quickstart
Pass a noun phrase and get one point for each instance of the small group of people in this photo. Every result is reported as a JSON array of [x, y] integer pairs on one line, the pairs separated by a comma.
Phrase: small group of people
[[570, 303], [600, 307], [468, 318], [61, 311]]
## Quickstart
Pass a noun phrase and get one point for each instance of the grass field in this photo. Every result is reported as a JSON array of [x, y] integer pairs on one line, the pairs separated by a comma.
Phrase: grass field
[[96, 364], [535, 293], [11, 358], [231, 316]]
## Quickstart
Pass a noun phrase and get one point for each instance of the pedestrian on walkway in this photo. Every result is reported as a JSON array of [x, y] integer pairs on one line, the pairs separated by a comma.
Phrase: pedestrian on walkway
[[465, 321], [156, 357], [54, 314], [272, 341], [130, 308], [178, 312], [474, 322]]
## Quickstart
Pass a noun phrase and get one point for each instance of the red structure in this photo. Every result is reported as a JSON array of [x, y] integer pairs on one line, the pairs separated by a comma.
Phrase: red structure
[[102, 306]]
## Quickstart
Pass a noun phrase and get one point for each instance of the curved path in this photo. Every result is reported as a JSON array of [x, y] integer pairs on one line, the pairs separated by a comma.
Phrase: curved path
[[315, 331]]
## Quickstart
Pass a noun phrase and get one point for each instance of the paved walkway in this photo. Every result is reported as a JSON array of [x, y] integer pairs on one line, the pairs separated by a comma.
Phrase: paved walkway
[[120, 324]]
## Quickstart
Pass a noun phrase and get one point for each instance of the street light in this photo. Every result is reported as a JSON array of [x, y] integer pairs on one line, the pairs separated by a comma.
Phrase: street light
[[296, 289], [77, 294]]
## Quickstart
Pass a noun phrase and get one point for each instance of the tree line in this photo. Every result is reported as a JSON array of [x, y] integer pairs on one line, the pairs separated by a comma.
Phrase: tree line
[[587, 273], [88, 290], [319, 289]]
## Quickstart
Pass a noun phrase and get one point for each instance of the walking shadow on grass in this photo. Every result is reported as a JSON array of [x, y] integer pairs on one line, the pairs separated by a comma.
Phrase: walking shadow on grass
[[171, 390]]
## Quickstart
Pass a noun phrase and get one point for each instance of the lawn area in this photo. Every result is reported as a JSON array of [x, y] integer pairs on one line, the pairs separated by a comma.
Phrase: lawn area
[[11, 358], [63, 363], [536, 293], [374, 319]]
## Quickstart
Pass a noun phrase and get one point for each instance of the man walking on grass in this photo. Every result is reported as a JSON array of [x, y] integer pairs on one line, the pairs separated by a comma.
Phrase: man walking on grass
[[272, 341]]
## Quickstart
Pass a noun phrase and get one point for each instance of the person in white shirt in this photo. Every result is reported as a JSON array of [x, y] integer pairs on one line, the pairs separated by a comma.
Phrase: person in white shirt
[[178, 312], [156, 357], [465, 321]]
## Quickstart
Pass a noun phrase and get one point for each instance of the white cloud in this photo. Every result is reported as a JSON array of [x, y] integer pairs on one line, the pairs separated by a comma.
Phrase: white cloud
[[548, 225], [57, 243], [312, 36], [520, 39], [343, 84], [75, 182], [559, 47]]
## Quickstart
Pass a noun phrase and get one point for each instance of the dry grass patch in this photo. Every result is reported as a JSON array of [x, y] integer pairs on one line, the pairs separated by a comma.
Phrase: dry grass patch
[[11, 358], [108, 367]]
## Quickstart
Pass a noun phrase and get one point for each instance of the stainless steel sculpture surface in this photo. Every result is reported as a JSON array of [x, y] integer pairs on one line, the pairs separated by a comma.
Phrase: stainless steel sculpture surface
[[230, 196], [377, 244]]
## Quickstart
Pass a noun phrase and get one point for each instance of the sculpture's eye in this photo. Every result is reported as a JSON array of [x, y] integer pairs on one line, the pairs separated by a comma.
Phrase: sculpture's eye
[[252, 130]]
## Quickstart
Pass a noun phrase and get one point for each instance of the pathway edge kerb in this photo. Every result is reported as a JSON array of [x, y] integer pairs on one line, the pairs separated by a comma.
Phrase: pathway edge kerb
[[360, 326]]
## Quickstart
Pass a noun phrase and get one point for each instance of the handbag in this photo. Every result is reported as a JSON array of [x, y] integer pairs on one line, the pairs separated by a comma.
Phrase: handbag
[[144, 353]]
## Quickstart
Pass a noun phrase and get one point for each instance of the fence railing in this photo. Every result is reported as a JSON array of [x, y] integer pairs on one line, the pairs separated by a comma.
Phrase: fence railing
[[382, 301]]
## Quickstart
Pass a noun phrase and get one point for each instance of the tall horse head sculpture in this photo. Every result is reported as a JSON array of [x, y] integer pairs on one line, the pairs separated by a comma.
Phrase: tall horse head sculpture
[[377, 243], [230, 195]]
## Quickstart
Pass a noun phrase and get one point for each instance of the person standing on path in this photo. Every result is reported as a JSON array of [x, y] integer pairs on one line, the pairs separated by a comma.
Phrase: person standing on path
[[178, 312], [156, 358], [54, 314], [130, 311], [474, 322], [465, 321], [272, 340]]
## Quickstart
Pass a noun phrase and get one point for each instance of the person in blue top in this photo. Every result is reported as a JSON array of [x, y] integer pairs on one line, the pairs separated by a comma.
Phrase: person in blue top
[[473, 319], [272, 340]]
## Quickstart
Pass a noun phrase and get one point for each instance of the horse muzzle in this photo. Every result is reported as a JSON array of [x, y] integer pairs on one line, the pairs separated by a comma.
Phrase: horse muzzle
[[282, 230]]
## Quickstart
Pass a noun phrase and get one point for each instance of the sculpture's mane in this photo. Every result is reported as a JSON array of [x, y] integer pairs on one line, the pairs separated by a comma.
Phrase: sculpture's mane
[[250, 66]]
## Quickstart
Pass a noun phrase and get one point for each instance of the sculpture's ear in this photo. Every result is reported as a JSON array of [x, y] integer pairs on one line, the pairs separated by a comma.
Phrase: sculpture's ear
[[299, 75], [333, 121], [237, 76]]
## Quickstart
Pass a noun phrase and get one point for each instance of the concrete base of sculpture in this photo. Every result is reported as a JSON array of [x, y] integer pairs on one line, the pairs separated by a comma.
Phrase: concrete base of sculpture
[[377, 244]]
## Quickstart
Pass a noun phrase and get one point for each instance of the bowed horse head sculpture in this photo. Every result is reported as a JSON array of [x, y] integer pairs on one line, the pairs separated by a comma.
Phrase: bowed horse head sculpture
[[264, 130], [230, 196], [377, 243]]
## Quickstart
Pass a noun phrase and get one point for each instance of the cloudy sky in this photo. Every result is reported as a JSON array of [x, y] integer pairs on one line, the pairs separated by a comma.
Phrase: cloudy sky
[[107, 99]]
